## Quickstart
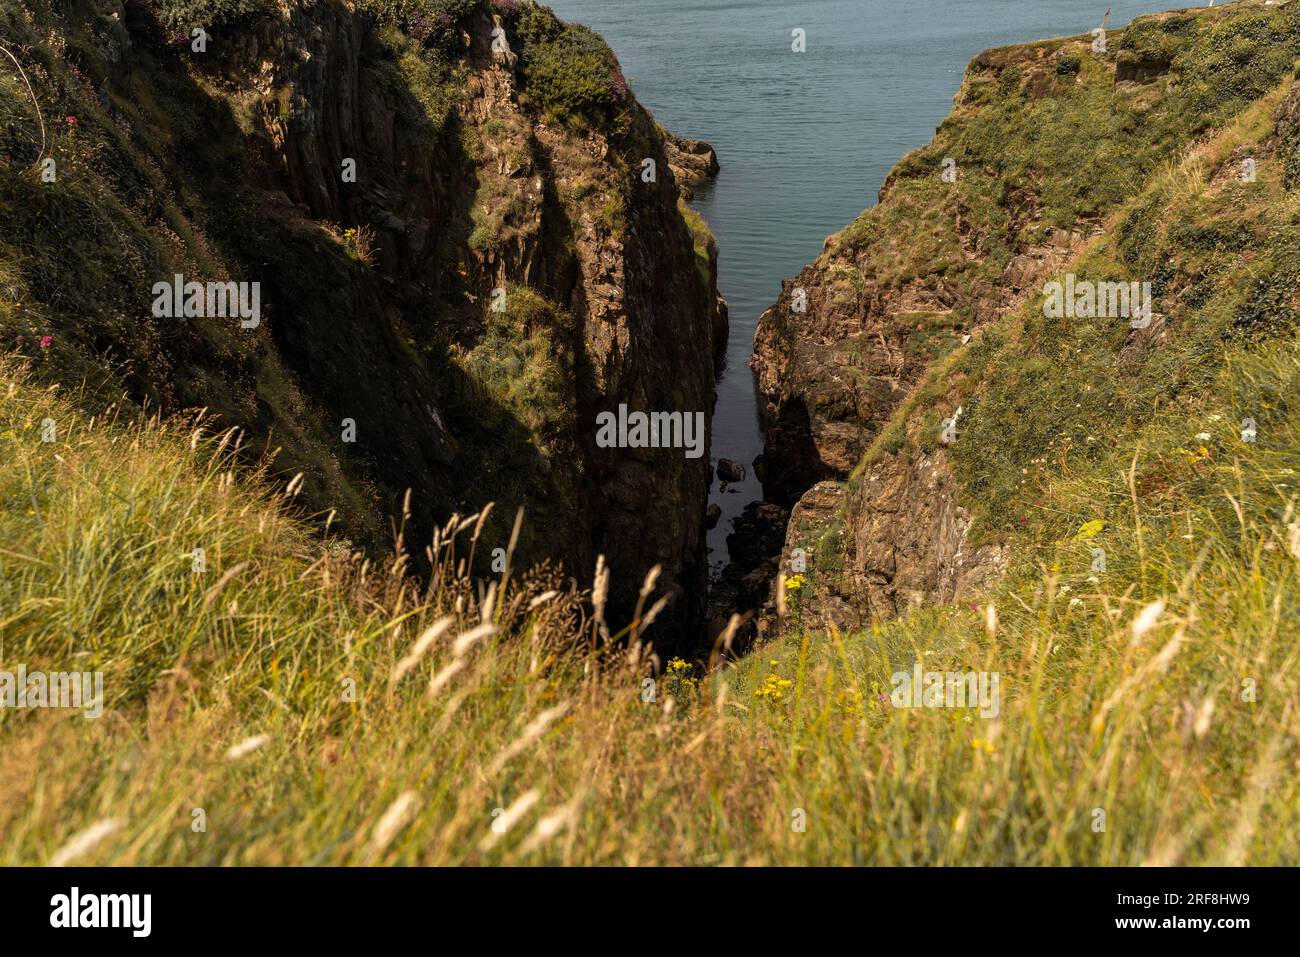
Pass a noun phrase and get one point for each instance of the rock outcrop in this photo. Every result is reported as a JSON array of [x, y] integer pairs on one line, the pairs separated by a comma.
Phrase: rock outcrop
[[693, 162], [460, 263], [864, 361]]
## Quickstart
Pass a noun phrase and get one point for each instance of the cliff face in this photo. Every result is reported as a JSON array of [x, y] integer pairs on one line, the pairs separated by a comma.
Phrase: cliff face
[[1056, 159], [467, 237]]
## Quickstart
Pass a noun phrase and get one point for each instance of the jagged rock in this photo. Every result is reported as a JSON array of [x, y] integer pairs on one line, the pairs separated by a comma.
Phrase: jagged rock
[[909, 538], [730, 471], [693, 162], [757, 535]]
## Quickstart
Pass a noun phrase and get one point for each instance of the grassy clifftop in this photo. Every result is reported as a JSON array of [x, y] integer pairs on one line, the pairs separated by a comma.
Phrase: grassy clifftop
[[1045, 143]]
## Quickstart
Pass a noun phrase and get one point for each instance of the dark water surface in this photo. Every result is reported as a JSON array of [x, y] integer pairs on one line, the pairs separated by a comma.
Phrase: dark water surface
[[805, 140]]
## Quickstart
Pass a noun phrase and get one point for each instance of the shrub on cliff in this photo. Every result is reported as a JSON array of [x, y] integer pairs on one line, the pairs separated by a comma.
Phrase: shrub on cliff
[[568, 70], [1067, 64], [184, 14], [432, 22]]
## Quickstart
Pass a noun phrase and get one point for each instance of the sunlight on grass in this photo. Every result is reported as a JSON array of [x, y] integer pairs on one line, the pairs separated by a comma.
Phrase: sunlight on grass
[[398, 724]]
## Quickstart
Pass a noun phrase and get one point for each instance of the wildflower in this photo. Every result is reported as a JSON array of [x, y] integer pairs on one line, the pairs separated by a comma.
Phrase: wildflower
[[72, 122], [680, 679], [795, 583], [618, 88], [980, 744], [773, 687], [1203, 436], [1089, 530], [46, 341]]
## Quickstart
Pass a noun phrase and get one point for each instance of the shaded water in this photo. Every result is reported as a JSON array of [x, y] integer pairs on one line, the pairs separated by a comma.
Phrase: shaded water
[[805, 140]]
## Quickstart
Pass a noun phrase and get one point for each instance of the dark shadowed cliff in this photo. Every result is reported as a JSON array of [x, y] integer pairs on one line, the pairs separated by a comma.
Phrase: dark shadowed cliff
[[460, 261]]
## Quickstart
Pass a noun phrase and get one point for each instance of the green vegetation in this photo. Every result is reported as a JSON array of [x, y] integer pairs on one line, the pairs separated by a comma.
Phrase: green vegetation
[[429, 76], [1043, 397], [706, 247], [613, 211], [1175, 719], [568, 70], [1109, 138], [132, 203], [497, 210], [513, 389], [429, 21], [1022, 121], [187, 14], [1167, 731], [158, 174], [525, 363]]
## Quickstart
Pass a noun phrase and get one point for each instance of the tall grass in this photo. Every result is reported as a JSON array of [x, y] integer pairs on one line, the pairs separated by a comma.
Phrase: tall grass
[[294, 704]]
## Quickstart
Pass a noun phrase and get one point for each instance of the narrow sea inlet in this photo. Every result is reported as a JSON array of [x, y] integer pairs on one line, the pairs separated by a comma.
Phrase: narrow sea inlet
[[804, 139]]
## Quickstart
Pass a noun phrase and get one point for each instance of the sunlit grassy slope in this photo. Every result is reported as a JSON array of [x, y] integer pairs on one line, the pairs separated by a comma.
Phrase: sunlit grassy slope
[[283, 636]]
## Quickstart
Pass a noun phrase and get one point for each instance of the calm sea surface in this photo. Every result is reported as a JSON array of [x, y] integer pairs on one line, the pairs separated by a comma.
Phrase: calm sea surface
[[805, 140]]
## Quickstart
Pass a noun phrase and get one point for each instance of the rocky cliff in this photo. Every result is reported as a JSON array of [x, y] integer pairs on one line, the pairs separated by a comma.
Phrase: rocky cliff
[[466, 234], [918, 394]]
